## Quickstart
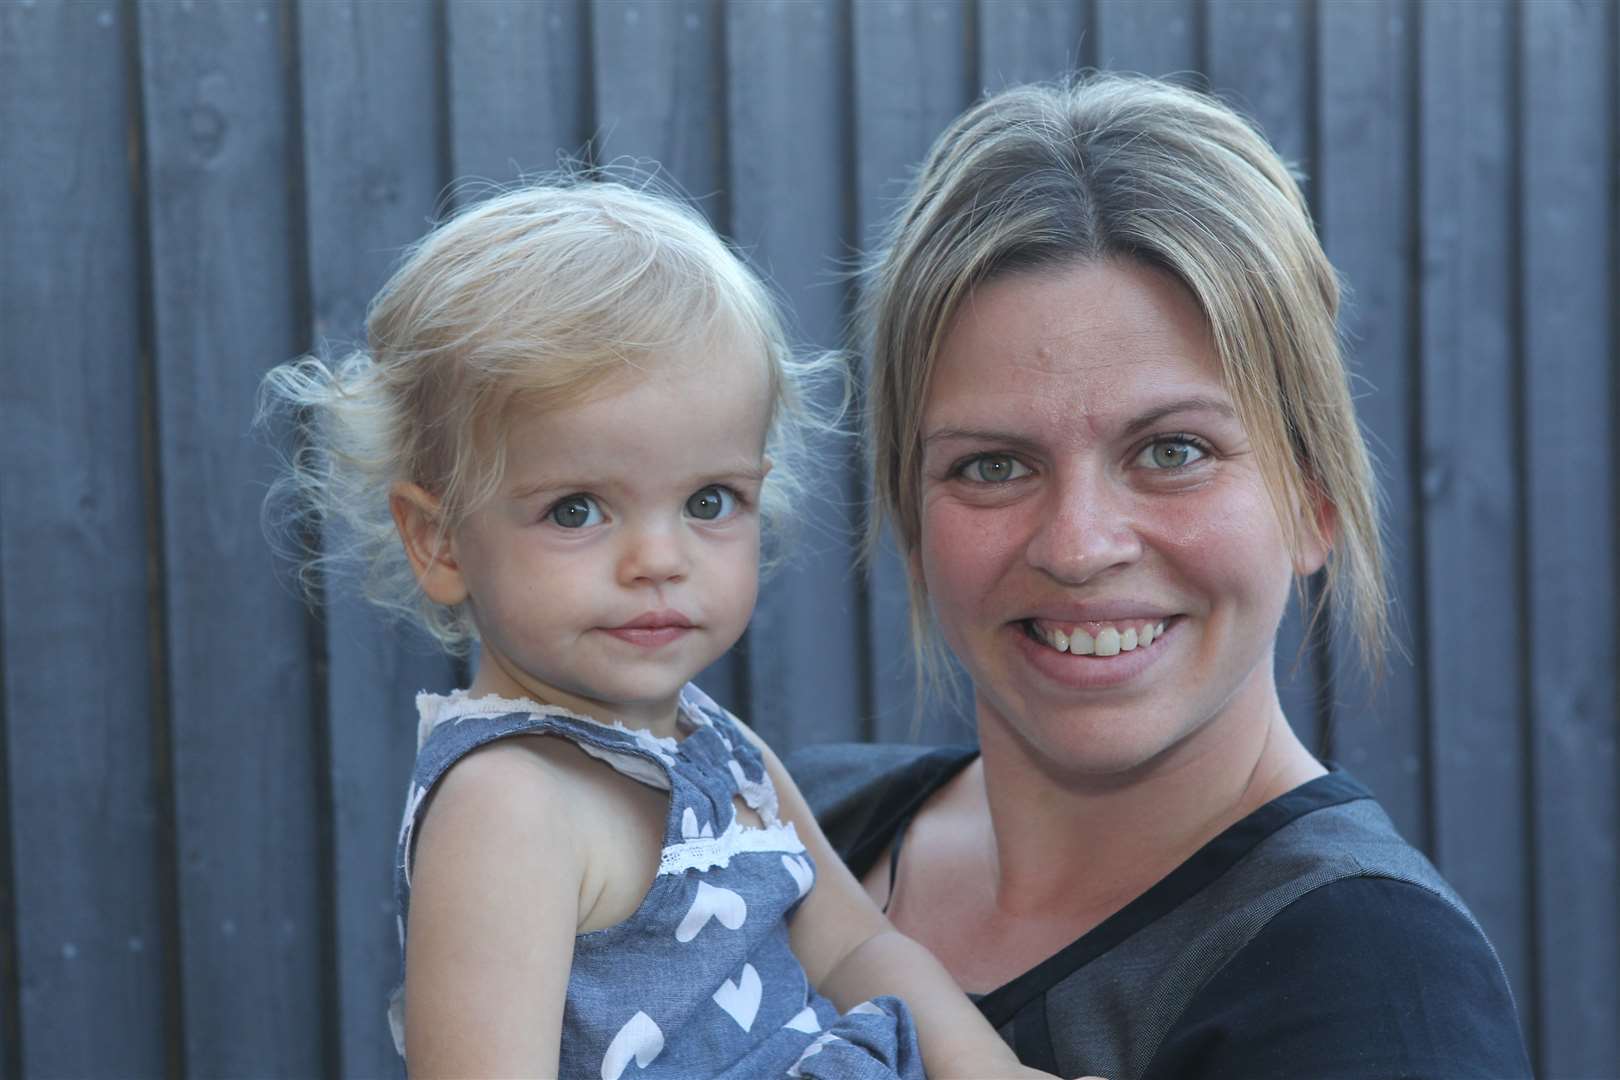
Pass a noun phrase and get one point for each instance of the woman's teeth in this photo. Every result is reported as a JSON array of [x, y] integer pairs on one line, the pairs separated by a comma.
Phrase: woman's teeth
[[1109, 640]]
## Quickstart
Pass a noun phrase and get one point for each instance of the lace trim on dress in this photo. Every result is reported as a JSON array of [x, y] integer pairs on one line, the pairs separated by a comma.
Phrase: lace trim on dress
[[436, 709], [704, 853]]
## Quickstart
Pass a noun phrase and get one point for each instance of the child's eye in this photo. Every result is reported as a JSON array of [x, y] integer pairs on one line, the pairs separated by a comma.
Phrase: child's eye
[[1172, 452], [712, 503], [576, 512], [992, 469]]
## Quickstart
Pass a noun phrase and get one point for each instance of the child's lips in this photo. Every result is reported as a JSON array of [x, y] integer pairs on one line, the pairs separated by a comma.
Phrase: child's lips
[[652, 629]]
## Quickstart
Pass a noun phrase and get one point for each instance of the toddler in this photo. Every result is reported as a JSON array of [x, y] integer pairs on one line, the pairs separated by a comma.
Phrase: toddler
[[576, 413]]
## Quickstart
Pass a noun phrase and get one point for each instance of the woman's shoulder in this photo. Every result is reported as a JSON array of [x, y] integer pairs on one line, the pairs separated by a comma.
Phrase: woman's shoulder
[[1363, 976], [1230, 955], [862, 793]]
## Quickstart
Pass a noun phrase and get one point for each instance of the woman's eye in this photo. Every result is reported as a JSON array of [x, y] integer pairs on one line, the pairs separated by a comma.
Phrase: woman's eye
[[995, 469], [1170, 454], [712, 503], [576, 512]]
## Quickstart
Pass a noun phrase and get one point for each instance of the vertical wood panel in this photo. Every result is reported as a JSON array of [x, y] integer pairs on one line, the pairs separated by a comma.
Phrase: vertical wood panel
[[221, 155], [1364, 195], [1474, 608], [519, 92], [78, 689], [790, 178], [1258, 58], [659, 77], [1153, 37], [1568, 387], [1023, 41], [372, 174], [911, 79]]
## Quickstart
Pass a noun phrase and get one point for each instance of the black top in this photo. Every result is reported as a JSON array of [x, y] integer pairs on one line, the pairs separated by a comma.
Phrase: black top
[[1306, 940]]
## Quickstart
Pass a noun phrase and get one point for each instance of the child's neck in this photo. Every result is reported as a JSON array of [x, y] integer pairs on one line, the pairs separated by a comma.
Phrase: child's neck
[[495, 680]]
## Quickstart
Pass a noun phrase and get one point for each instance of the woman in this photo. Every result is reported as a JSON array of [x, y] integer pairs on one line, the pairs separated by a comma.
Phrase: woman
[[1111, 430]]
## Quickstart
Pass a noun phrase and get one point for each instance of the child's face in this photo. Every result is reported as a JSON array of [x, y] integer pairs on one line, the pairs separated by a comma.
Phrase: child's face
[[622, 555]]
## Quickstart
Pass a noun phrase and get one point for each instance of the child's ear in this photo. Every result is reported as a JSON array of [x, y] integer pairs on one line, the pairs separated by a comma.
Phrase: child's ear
[[427, 543]]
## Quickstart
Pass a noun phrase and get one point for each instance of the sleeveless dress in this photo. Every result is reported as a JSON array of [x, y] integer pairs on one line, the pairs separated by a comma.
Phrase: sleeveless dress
[[700, 981]]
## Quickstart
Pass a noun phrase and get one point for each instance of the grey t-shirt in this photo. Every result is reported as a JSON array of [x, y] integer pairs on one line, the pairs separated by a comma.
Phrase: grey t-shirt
[[1308, 939]]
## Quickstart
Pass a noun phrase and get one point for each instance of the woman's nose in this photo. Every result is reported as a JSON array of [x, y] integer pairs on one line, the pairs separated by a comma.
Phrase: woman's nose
[[652, 554], [1086, 527]]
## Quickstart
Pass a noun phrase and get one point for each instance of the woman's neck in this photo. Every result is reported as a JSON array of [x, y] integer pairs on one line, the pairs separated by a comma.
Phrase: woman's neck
[[1089, 845]]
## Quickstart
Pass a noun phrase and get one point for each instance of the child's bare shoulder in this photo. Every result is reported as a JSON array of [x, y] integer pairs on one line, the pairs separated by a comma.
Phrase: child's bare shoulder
[[525, 777]]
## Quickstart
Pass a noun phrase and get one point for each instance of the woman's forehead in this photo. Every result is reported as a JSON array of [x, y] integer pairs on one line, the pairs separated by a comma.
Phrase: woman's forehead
[[1108, 342]]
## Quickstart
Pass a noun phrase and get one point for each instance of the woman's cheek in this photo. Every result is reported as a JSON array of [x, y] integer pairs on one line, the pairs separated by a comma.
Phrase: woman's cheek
[[965, 549]]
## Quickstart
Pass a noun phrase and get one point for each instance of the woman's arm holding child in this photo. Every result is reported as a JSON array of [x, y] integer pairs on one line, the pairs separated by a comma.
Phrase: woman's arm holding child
[[495, 900], [852, 953]]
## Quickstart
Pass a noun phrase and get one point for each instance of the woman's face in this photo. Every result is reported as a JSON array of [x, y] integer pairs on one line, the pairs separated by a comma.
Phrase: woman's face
[[1088, 487]]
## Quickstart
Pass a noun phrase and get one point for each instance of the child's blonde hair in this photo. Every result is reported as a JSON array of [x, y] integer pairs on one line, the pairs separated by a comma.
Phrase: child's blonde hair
[[533, 298]]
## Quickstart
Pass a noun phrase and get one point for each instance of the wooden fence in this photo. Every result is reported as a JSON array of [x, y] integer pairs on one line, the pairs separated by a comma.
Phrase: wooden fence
[[199, 809]]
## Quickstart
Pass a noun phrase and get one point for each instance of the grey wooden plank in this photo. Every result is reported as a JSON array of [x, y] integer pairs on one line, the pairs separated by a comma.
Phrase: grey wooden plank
[[1567, 233], [1474, 607], [1022, 41], [371, 151], [791, 211], [659, 78], [1152, 37], [1365, 198], [911, 79], [87, 837], [659, 88], [1257, 58], [221, 165], [518, 87]]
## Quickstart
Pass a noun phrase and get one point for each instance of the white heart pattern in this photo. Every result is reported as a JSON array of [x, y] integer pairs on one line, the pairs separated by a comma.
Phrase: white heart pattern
[[711, 902], [804, 1020], [800, 868], [640, 1038], [689, 826], [741, 998], [811, 1051]]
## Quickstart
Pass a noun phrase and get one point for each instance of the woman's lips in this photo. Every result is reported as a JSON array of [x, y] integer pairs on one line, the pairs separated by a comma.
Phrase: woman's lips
[[1090, 671]]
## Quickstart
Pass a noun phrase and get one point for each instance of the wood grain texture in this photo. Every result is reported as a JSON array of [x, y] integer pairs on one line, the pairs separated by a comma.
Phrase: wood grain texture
[[792, 211], [1020, 41], [221, 159], [1151, 37], [372, 175], [1568, 387], [1258, 60], [910, 80], [519, 89], [1365, 194], [76, 672], [1474, 600]]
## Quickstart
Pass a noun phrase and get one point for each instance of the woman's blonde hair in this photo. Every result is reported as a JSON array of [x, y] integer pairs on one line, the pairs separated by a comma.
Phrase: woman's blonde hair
[[1110, 167], [534, 298]]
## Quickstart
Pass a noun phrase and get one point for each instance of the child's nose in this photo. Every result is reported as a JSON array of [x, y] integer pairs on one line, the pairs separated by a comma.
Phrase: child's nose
[[653, 555]]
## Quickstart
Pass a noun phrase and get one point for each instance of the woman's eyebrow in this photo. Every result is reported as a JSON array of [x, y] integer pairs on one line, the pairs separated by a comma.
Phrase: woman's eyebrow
[[1219, 406], [985, 435]]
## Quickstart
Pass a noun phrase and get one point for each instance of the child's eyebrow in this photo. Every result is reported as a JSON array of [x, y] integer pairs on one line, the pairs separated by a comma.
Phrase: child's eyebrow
[[528, 489]]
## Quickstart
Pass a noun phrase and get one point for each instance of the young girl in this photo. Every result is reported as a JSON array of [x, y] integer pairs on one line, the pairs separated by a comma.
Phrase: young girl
[[557, 450]]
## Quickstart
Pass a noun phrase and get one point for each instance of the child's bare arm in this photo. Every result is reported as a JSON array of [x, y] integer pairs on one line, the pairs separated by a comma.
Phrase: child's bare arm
[[852, 953], [495, 902]]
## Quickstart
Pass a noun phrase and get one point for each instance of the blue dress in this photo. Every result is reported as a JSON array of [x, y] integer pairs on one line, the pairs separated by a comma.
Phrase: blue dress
[[700, 981]]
